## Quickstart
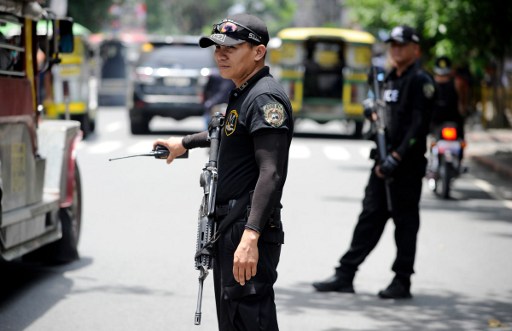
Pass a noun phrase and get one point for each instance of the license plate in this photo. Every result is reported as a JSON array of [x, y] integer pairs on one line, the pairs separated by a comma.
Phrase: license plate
[[451, 145], [177, 81]]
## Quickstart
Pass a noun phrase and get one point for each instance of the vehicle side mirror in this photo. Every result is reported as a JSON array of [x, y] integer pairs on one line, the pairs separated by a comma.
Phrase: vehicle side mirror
[[63, 31]]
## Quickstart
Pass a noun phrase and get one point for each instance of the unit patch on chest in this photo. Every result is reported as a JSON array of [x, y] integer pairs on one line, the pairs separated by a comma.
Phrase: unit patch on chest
[[230, 124], [274, 114]]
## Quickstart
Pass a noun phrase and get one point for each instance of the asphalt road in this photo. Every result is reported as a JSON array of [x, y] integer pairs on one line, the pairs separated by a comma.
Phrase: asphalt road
[[136, 270]]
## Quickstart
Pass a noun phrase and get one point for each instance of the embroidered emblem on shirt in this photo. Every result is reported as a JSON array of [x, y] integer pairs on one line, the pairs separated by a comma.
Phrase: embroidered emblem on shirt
[[428, 90], [230, 124], [274, 114]]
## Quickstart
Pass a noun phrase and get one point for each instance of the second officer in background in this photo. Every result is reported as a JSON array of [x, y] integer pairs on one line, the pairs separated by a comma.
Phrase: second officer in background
[[408, 94]]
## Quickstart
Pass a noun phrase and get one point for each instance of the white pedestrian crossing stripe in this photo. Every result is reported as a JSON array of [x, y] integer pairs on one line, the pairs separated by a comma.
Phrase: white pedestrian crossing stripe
[[297, 150], [337, 153], [105, 147]]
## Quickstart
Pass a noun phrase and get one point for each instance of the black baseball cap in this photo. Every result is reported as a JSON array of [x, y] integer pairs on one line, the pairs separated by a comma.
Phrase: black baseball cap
[[403, 34], [235, 30]]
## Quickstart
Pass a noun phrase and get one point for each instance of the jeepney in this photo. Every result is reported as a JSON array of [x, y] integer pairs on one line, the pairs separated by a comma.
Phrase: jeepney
[[324, 71], [40, 191]]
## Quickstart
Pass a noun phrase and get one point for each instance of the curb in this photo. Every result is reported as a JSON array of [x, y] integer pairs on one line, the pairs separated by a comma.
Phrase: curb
[[494, 165]]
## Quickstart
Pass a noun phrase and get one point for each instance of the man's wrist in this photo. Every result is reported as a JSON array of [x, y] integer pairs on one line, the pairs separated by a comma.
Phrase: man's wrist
[[251, 234]]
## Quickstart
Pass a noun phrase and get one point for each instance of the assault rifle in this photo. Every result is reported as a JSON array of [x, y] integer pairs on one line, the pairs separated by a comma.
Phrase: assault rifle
[[379, 107], [206, 222]]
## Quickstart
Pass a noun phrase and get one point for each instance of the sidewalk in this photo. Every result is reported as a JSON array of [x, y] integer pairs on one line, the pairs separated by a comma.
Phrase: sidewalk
[[491, 148]]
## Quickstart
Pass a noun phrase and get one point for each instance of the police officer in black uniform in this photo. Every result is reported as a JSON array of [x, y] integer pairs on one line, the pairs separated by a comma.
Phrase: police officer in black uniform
[[409, 94], [448, 107], [252, 167]]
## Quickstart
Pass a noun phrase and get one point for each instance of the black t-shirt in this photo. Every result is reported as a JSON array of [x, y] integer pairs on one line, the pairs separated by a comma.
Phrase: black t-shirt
[[410, 99], [259, 106], [446, 107]]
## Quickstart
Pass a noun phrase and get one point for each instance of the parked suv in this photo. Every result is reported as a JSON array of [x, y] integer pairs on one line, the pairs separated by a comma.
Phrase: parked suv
[[168, 81]]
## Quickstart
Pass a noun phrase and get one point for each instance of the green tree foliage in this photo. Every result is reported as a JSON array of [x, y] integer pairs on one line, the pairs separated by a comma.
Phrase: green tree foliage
[[184, 17], [187, 17], [458, 28], [471, 32], [89, 15]]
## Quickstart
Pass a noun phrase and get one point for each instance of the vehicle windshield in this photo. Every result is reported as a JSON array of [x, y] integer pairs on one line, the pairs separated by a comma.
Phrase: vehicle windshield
[[178, 56]]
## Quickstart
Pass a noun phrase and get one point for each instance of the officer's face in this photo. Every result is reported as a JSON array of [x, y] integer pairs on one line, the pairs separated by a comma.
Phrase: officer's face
[[403, 54], [238, 62]]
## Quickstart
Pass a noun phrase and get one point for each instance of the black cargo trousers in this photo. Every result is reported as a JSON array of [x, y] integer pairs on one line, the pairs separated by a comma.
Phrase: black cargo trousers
[[405, 190], [249, 307]]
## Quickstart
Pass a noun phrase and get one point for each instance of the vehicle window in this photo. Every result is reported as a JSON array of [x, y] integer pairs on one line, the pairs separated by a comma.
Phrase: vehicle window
[[113, 60], [179, 56], [328, 54], [11, 48]]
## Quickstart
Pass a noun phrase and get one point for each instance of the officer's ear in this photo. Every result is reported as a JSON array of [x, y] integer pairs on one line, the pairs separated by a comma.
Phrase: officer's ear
[[261, 50]]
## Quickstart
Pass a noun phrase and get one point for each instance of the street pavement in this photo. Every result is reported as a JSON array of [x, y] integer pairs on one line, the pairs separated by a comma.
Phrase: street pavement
[[464, 281], [492, 148]]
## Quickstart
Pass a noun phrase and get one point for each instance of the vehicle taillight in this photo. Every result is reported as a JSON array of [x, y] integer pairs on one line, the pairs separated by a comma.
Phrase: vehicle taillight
[[449, 133]]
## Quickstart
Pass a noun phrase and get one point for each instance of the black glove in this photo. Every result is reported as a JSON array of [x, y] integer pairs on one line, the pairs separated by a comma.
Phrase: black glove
[[389, 165]]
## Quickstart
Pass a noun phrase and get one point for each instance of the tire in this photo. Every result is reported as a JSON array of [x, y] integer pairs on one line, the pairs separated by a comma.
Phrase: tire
[[92, 124], [446, 176], [85, 125], [139, 125], [358, 130]]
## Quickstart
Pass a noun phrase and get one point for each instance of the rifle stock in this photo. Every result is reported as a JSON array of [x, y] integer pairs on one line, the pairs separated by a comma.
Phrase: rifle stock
[[206, 222]]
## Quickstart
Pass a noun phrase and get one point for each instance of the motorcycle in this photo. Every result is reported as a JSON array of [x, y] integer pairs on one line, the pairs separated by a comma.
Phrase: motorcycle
[[445, 159]]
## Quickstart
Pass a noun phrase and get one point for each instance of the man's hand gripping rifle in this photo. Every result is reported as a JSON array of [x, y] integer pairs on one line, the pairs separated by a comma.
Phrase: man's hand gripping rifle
[[375, 112], [206, 223]]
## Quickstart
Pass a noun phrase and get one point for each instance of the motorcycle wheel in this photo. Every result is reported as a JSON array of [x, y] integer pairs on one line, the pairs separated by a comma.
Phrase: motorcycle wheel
[[446, 174]]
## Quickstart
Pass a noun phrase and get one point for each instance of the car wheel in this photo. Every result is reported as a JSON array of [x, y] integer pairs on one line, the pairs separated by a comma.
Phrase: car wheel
[[358, 129], [139, 125], [85, 124]]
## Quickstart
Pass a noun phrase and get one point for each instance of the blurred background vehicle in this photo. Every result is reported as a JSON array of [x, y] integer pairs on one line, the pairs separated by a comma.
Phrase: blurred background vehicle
[[72, 91], [69, 89], [116, 57], [324, 71], [168, 81], [40, 184]]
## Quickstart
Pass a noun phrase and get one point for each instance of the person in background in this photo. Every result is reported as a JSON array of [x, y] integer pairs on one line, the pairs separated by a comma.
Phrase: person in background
[[449, 107], [409, 93]]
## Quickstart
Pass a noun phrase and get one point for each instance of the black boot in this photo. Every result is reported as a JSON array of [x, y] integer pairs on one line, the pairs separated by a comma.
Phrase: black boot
[[338, 283], [400, 288]]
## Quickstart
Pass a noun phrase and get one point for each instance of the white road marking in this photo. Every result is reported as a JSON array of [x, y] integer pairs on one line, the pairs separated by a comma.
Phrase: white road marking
[[105, 147], [488, 188], [365, 152], [140, 147], [299, 152], [337, 153], [112, 127]]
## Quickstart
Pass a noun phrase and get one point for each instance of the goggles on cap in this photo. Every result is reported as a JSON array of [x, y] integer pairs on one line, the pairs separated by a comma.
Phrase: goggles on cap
[[228, 26]]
